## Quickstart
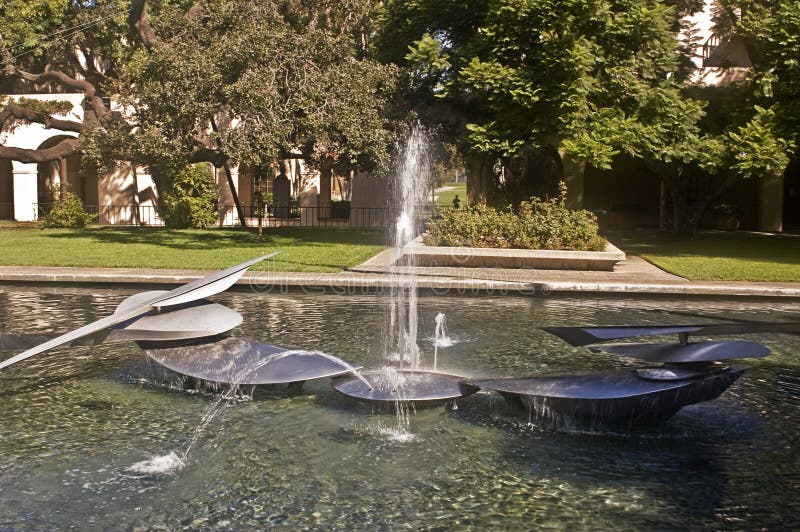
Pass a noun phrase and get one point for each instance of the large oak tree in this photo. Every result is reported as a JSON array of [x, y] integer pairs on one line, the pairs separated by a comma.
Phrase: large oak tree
[[215, 81]]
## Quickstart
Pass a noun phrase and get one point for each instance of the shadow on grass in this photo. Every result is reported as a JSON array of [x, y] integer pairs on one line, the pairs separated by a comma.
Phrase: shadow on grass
[[209, 239]]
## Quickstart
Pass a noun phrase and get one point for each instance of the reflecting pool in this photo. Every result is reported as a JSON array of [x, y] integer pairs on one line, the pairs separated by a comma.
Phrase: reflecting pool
[[74, 423]]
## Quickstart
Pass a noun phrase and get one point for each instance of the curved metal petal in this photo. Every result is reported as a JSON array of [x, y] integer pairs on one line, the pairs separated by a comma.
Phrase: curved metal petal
[[582, 336], [198, 319], [691, 352], [207, 286], [239, 361], [405, 386], [138, 300], [614, 397]]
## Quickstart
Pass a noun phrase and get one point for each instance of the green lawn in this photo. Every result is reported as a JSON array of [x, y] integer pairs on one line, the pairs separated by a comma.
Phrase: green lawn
[[445, 199], [717, 255], [304, 249]]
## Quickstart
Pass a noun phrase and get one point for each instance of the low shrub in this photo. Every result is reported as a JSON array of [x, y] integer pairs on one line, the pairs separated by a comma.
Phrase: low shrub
[[68, 212], [191, 202], [536, 224]]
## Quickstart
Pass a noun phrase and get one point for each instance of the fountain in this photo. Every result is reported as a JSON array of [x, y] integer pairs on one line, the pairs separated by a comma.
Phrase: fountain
[[410, 382]]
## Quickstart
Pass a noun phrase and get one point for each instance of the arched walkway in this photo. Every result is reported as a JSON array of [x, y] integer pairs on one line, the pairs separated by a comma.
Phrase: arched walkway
[[50, 178]]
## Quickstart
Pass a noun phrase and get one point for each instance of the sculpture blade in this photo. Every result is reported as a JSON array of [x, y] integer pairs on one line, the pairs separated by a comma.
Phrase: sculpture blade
[[209, 285], [86, 330], [619, 398], [582, 336], [405, 385], [610, 385], [686, 353]]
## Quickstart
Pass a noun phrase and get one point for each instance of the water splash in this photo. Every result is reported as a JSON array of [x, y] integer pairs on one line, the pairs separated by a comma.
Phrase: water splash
[[390, 379], [440, 338], [158, 465]]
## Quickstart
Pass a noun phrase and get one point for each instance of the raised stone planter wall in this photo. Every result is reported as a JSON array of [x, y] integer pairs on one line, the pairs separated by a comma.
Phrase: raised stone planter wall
[[511, 258]]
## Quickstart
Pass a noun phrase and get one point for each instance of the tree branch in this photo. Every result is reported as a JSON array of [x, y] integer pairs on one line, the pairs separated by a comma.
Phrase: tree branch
[[55, 76], [19, 112], [202, 154], [65, 148], [140, 23]]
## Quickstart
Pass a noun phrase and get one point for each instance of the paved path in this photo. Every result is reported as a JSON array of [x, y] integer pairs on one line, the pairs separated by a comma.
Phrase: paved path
[[634, 276]]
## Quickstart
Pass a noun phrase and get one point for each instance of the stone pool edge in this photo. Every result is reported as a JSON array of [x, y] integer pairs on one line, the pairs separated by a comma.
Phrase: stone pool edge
[[530, 282]]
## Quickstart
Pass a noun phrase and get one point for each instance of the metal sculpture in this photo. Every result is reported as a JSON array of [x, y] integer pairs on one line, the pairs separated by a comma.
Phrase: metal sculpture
[[691, 372], [147, 302]]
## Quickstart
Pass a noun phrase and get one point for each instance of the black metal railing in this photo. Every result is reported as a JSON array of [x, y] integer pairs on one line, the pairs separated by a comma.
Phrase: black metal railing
[[709, 46], [272, 215], [293, 215]]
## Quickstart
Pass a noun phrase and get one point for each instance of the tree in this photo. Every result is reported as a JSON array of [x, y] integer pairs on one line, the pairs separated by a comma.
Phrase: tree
[[220, 81], [747, 131], [589, 79], [274, 77]]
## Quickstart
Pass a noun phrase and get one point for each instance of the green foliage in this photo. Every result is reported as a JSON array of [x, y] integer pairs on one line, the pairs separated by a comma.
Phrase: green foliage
[[430, 61], [72, 36], [762, 151], [291, 74], [593, 77], [191, 202], [68, 213], [537, 224]]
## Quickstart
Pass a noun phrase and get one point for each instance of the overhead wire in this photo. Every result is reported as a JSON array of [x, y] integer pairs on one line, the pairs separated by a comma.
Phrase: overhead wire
[[67, 32]]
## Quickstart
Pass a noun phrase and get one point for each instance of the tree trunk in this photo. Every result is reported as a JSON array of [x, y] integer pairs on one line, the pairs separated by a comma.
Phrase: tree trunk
[[683, 223], [480, 179], [689, 203], [572, 173], [226, 165]]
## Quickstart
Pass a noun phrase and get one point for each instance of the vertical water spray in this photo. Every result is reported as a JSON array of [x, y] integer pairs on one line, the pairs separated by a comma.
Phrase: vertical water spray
[[411, 191], [439, 334]]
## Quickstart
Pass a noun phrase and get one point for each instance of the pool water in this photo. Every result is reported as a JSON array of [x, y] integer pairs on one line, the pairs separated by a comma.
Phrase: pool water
[[75, 424]]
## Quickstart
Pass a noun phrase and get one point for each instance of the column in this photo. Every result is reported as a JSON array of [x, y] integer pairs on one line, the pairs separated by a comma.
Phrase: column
[[770, 203], [25, 191], [573, 177]]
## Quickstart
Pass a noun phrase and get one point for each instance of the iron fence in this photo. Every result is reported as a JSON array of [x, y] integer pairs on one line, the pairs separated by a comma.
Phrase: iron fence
[[272, 215], [293, 215]]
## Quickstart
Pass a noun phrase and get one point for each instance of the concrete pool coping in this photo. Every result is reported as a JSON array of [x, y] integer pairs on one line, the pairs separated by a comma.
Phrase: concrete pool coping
[[635, 276]]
